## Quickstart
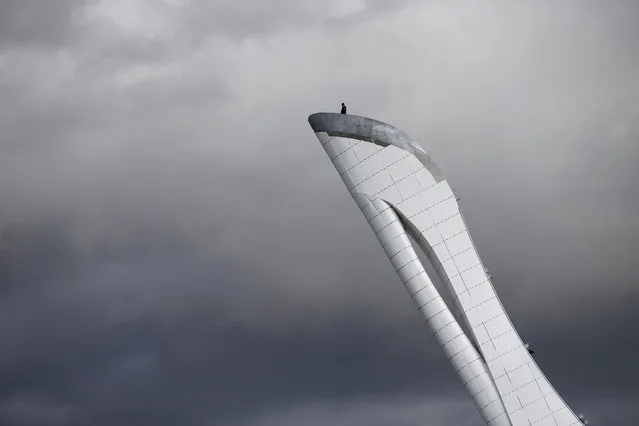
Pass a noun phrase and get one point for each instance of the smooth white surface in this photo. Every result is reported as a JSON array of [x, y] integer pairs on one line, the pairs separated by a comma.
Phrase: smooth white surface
[[506, 384]]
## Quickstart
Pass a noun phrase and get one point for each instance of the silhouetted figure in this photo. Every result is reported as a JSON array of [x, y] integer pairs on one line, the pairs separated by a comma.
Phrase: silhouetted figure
[[343, 108]]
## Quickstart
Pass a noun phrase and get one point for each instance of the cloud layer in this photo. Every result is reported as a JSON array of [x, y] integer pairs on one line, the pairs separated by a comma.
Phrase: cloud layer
[[175, 247]]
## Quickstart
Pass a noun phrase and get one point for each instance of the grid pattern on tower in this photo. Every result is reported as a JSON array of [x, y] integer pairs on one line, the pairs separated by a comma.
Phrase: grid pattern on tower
[[379, 177]]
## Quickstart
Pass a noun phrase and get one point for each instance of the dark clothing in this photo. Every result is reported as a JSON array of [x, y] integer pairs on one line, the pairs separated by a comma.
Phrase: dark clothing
[[343, 109]]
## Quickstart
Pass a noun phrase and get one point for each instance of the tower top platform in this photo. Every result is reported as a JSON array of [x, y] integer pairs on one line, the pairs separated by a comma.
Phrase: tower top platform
[[373, 131]]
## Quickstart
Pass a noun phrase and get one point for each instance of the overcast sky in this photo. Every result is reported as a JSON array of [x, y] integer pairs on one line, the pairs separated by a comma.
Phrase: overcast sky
[[177, 249]]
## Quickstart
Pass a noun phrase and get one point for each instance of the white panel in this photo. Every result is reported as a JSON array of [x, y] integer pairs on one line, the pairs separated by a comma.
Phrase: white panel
[[397, 245], [345, 161], [491, 308], [457, 284], [521, 376], [425, 179], [381, 204], [361, 200], [344, 143], [545, 387], [457, 344], [449, 267], [323, 137], [370, 210], [496, 367], [481, 293], [481, 334], [536, 371], [431, 308], [474, 276], [405, 167], [373, 164], [331, 150], [497, 326], [475, 316], [546, 421], [335, 146], [403, 257], [478, 367], [390, 194], [441, 251], [408, 186], [412, 206], [493, 409], [355, 175], [474, 386], [364, 204], [554, 402], [565, 417], [466, 374], [512, 404], [458, 243], [448, 333], [417, 283], [507, 342], [437, 193], [515, 358], [481, 313], [536, 410], [350, 183], [440, 320], [444, 209], [503, 385], [462, 359], [422, 221], [484, 398], [388, 234], [432, 236], [365, 149], [427, 294], [410, 270], [529, 393], [464, 300], [375, 183], [486, 382], [382, 220], [467, 357], [451, 226], [501, 419], [518, 418], [466, 260]]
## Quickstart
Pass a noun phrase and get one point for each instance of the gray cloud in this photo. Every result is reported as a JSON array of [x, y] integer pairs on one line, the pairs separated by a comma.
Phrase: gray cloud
[[177, 249], [33, 22], [408, 410], [240, 21]]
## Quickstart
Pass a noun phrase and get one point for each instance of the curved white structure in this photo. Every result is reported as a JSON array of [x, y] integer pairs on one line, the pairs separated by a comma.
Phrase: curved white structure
[[402, 193]]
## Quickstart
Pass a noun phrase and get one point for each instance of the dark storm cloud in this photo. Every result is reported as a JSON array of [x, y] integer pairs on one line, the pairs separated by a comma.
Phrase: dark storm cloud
[[142, 336], [401, 411], [177, 249]]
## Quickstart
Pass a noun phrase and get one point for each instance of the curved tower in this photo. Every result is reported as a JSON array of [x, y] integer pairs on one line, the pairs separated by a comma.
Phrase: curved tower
[[401, 192]]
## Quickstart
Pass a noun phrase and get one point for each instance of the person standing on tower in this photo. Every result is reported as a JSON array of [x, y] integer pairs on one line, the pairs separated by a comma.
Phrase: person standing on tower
[[343, 108]]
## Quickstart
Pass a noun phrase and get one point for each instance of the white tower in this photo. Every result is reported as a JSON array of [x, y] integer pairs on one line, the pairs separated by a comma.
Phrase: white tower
[[401, 192]]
